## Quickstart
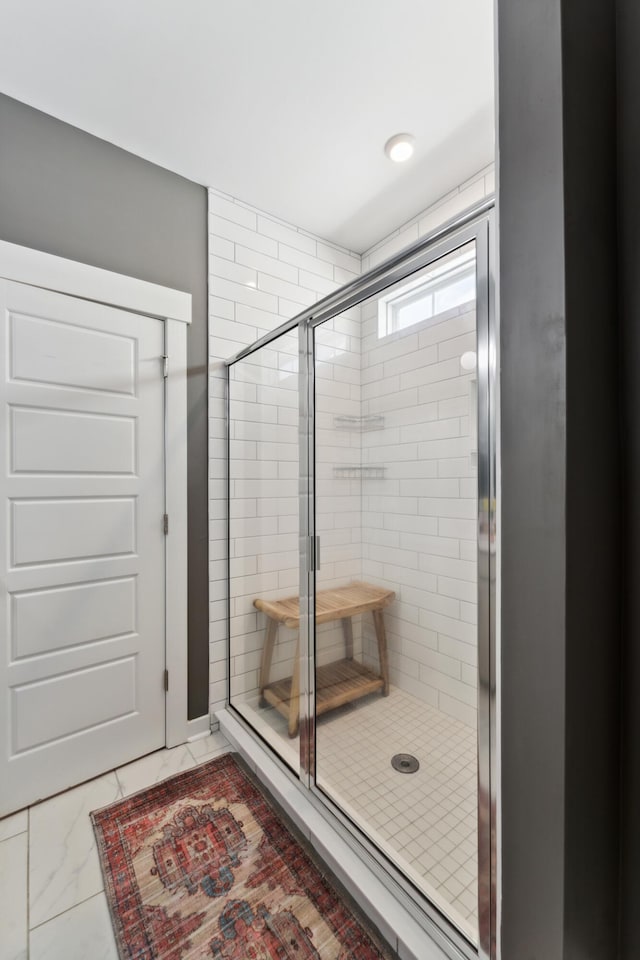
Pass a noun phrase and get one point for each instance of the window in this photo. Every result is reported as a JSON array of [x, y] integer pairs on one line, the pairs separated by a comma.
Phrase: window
[[424, 301]]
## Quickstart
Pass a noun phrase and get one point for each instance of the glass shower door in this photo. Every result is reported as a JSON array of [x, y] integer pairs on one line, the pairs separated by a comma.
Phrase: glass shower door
[[398, 380]]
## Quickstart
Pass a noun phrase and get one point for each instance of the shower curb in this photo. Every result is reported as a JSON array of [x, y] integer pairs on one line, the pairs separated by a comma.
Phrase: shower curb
[[394, 921]]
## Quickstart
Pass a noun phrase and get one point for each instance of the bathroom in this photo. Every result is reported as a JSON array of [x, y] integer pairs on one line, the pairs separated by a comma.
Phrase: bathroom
[[375, 495]]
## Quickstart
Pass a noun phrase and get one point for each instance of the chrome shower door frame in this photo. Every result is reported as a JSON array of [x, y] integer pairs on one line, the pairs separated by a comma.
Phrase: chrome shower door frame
[[308, 552]]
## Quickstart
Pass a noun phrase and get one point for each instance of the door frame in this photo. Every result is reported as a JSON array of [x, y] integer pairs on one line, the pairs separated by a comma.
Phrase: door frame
[[173, 308]]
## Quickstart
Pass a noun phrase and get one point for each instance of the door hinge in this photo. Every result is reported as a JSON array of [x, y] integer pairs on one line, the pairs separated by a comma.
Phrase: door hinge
[[166, 680], [165, 523], [165, 366]]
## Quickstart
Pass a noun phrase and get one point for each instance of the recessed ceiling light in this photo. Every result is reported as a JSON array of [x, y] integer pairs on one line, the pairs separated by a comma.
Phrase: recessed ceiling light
[[400, 147]]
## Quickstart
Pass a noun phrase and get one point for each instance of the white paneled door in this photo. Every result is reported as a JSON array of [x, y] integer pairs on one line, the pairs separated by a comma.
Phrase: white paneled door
[[82, 545]]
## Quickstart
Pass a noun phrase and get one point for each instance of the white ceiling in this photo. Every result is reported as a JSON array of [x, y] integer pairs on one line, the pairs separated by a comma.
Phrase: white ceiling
[[285, 104]]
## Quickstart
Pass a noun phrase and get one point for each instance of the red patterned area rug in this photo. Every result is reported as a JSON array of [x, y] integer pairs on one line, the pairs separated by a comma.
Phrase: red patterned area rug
[[201, 866]]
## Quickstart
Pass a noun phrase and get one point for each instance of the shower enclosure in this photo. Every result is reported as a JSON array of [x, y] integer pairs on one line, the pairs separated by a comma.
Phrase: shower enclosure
[[362, 564]]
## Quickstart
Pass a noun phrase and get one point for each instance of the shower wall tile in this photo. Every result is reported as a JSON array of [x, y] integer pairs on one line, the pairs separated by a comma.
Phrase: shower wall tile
[[292, 269], [419, 518], [306, 261], [287, 234], [457, 201], [229, 230], [262, 272], [339, 257]]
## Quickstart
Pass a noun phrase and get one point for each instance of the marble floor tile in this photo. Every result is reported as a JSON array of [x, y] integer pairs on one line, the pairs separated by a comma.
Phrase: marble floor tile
[[82, 933], [13, 898], [14, 824], [206, 748], [64, 868], [154, 768]]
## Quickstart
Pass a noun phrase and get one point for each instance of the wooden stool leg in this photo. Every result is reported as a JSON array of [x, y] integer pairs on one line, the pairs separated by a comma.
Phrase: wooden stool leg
[[347, 629], [381, 634], [267, 654], [294, 703]]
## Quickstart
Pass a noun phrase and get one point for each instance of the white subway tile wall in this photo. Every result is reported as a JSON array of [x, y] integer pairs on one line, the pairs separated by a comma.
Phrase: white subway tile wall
[[472, 191], [262, 272], [412, 442], [263, 542]]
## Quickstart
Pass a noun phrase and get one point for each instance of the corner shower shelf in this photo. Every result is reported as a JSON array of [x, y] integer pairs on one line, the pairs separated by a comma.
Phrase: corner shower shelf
[[369, 421], [336, 683], [360, 471]]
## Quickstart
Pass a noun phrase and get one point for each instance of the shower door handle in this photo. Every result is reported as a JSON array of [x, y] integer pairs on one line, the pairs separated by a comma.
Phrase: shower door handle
[[313, 553]]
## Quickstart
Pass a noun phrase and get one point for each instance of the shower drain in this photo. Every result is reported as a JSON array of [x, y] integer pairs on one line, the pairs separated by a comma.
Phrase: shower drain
[[405, 763]]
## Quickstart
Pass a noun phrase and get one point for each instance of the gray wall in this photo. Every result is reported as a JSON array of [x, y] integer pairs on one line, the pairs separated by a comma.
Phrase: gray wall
[[560, 479], [71, 194]]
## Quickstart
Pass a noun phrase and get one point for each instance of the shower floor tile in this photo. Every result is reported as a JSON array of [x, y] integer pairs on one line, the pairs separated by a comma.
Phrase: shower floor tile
[[425, 822]]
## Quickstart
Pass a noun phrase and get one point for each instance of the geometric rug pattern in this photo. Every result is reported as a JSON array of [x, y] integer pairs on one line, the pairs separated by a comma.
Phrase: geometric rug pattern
[[201, 866]]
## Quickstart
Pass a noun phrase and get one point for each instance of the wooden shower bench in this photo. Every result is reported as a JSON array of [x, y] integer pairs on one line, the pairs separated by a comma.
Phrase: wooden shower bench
[[336, 683]]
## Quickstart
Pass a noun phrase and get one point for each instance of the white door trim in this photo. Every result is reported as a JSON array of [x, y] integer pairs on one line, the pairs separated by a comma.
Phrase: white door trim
[[177, 723], [24, 265], [92, 283]]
